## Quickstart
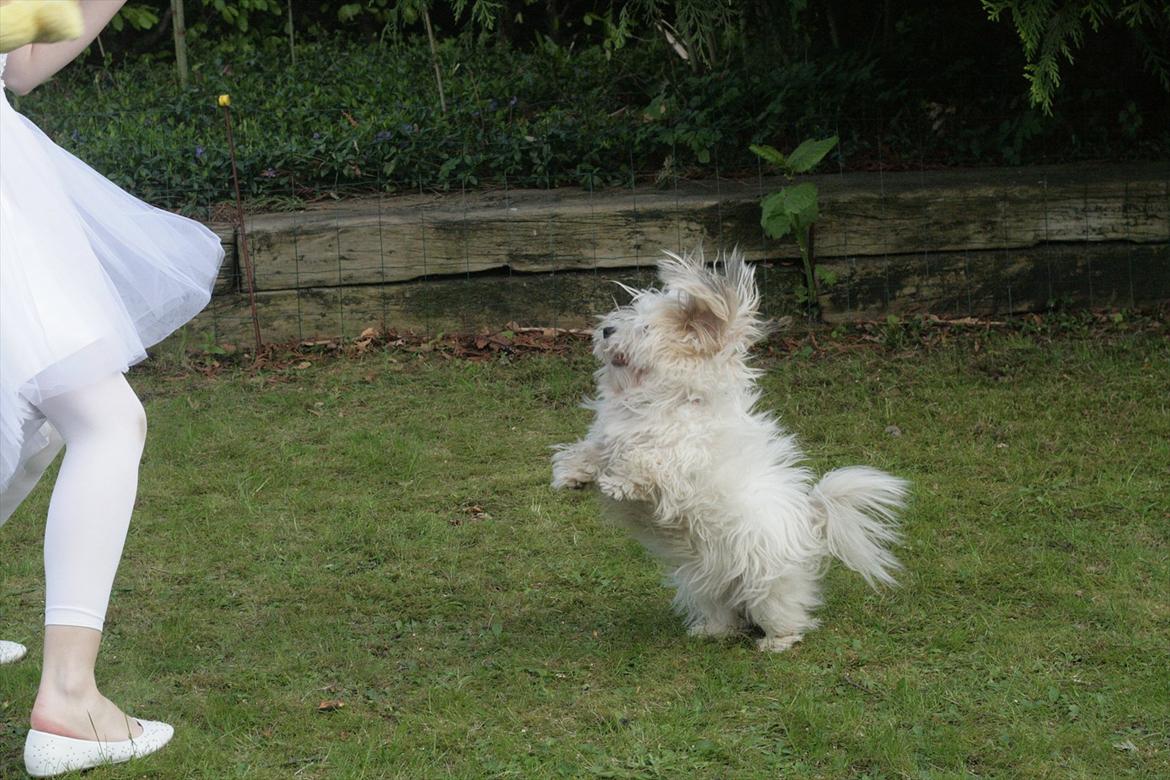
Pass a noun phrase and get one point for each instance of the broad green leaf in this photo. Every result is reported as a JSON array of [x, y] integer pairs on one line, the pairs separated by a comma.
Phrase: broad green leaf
[[806, 156], [769, 153], [789, 208], [773, 218], [806, 218], [800, 200]]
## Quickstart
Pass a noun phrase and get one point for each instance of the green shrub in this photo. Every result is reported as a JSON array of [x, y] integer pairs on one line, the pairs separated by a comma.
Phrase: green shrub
[[348, 118]]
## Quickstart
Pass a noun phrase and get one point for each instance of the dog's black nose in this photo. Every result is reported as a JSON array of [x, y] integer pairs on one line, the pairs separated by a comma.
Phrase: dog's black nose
[[607, 331]]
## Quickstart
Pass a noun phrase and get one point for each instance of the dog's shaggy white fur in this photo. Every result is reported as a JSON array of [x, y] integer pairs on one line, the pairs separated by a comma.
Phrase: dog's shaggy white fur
[[712, 487]]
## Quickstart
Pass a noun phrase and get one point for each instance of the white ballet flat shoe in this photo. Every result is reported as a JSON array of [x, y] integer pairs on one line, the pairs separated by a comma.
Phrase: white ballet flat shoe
[[11, 652], [46, 754]]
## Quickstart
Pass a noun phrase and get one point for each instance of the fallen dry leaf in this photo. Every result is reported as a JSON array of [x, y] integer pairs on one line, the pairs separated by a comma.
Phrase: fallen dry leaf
[[475, 513]]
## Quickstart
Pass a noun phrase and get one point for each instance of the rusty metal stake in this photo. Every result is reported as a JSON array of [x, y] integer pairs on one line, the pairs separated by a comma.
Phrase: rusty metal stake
[[225, 102]]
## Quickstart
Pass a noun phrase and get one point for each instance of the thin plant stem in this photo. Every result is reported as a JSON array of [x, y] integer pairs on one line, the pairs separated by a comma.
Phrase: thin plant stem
[[242, 234]]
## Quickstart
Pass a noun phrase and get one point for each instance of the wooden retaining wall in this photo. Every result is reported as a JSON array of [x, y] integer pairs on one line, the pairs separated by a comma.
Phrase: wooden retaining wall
[[990, 241]]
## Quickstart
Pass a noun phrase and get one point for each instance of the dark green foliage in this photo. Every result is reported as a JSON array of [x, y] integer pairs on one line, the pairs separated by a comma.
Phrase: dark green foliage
[[356, 117], [1052, 33], [355, 114]]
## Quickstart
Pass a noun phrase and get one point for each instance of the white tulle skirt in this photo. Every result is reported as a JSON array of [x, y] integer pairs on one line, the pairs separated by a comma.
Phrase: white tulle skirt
[[90, 277]]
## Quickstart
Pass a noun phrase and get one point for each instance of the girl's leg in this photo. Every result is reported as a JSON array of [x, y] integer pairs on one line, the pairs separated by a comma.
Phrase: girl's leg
[[104, 428]]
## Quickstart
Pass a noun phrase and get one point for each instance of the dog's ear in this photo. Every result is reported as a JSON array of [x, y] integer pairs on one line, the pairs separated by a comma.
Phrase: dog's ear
[[716, 307]]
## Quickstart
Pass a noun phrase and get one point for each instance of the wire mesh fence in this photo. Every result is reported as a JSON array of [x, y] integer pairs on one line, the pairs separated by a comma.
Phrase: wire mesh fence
[[463, 241]]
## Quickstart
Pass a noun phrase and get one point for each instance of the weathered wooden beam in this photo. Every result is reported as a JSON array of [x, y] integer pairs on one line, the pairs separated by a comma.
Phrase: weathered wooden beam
[[229, 273], [982, 282], [405, 237], [967, 242], [1000, 281], [568, 299]]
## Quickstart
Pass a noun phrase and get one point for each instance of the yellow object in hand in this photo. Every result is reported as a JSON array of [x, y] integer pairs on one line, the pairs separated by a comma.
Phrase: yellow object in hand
[[38, 21]]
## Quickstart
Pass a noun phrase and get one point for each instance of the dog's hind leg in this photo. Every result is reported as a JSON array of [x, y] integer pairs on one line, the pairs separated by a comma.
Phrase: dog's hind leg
[[707, 613], [785, 614], [712, 617]]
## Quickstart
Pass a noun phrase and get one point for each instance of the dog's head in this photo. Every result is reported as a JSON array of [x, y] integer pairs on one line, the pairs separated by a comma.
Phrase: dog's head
[[701, 318]]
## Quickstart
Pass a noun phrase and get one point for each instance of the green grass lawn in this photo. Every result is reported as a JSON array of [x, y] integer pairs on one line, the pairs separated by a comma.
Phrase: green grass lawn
[[378, 531]]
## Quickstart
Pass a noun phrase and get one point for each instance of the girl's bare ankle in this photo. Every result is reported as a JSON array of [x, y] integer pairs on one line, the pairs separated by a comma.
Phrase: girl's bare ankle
[[90, 716]]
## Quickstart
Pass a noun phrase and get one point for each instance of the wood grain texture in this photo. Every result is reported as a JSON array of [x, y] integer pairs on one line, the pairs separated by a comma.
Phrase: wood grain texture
[[405, 237], [566, 300], [1002, 281], [953, 242]]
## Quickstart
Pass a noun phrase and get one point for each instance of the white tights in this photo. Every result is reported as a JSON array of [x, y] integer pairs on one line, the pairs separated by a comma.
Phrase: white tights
[[104, 428]]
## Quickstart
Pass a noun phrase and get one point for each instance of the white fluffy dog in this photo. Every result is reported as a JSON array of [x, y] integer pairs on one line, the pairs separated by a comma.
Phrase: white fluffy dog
[[709, 485]]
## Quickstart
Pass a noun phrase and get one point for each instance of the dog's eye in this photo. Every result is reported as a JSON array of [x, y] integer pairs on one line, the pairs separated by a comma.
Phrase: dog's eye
[[608, 331]]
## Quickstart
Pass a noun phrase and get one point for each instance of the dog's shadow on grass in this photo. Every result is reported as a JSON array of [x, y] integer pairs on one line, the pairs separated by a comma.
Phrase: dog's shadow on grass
[[641, 626]]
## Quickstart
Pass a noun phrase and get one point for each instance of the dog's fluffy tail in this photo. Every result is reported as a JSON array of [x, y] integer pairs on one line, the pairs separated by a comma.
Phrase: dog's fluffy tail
[[859, 507]]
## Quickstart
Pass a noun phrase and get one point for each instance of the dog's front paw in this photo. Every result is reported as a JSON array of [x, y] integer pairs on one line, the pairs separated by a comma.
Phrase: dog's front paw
[[619, 489], [568, 479], [571, 469], [778, 644]]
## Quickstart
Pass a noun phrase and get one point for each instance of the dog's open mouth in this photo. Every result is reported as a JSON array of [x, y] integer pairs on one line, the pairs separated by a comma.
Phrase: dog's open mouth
[[620, 360]]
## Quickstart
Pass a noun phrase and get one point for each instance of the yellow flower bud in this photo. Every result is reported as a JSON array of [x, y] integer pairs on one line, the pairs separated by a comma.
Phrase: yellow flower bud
[[225, 100]]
